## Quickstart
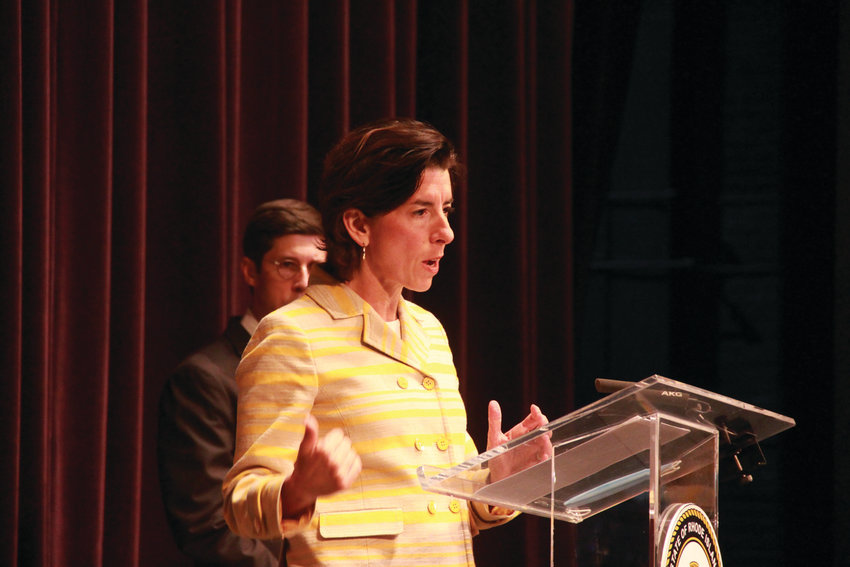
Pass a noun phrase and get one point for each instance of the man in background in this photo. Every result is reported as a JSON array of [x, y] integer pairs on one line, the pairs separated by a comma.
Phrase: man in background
[[282, 246]]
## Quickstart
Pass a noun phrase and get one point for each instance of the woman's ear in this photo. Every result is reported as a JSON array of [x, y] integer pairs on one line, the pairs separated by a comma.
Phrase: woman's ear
[[356, 223]]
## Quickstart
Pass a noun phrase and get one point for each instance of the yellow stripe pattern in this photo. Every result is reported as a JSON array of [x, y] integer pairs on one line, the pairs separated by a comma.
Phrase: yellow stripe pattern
[[397, 399]]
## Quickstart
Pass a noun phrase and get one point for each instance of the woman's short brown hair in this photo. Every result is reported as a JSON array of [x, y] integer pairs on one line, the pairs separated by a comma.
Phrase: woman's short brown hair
[[376, 168]]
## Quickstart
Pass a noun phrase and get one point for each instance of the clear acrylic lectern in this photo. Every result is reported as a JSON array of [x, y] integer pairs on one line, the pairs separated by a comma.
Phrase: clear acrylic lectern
[[658, 443]]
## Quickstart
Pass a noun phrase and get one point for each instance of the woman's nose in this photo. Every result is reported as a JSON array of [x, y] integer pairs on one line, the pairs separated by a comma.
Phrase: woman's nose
[[444, 232]]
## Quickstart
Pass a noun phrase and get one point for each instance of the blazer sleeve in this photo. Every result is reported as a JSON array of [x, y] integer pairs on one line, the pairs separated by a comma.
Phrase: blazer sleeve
[[277, 384], [195, 449]]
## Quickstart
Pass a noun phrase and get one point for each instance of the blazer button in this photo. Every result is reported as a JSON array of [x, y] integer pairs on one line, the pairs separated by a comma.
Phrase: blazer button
[[442, 444], [418, 445], [432, 508], [402, 382], [454, 506], [428, 383]]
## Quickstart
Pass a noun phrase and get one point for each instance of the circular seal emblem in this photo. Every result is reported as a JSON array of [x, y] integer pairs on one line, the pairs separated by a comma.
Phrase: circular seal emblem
[[688, 538]]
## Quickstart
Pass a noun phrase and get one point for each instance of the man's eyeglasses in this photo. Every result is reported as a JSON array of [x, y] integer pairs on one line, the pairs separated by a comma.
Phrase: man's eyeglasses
[[287, 269]]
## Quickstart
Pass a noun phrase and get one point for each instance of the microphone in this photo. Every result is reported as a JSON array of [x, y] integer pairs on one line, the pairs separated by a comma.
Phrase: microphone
[[677, 397], [606, 386]]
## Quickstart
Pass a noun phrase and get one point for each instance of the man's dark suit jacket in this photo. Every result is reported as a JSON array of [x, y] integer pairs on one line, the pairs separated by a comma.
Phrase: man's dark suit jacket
[[195, 443]]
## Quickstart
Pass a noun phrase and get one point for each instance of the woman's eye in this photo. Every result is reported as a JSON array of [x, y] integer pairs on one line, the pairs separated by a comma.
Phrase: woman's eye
[[448, 210]]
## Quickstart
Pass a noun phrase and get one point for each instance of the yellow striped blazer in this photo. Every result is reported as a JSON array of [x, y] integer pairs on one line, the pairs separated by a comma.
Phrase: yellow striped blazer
[[396, 397]]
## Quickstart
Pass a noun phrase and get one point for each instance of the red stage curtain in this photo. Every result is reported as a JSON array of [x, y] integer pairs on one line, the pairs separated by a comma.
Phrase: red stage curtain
[[137, 137]]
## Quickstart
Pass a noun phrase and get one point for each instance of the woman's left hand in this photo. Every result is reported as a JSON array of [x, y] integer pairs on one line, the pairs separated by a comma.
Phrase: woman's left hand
[[520, 458]]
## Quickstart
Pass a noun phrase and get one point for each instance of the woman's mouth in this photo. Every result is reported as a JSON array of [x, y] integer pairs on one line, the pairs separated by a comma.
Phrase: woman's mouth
[[432, 265]]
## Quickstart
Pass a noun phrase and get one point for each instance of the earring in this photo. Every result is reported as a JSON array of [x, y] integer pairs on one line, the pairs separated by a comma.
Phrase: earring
[[363, 254]]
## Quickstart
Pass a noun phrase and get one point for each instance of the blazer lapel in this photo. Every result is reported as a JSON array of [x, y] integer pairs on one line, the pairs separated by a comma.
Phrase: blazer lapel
[[412, 348]]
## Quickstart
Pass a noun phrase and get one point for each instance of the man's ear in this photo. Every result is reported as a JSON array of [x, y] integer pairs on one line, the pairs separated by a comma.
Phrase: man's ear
[[356, 223], [249, 271]]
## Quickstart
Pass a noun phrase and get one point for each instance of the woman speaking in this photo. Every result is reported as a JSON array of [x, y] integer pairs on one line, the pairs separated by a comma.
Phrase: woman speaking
[[346, 391]]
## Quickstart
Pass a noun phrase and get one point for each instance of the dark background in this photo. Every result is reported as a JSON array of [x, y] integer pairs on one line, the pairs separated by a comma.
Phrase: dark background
[[652, 187], [718, 256]]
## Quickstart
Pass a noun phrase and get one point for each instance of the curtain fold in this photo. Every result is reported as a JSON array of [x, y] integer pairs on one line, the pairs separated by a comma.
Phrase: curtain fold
[[33, 150], [125, 418], [80, 196], [137, 139], [11, 248]]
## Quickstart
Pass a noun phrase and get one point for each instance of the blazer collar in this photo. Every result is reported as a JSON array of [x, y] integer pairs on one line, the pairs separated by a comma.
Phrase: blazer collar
[[341, 302]]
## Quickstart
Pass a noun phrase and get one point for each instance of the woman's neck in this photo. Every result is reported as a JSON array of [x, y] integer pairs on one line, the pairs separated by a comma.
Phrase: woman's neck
[[383, 300]]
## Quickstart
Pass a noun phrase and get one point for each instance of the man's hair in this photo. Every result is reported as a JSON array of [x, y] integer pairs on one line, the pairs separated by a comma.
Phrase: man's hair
[[376, 168], [278, 218]]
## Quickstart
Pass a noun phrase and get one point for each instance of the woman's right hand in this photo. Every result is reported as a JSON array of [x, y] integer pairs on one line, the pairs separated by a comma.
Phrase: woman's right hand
[[521, 458], [323, 466]]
